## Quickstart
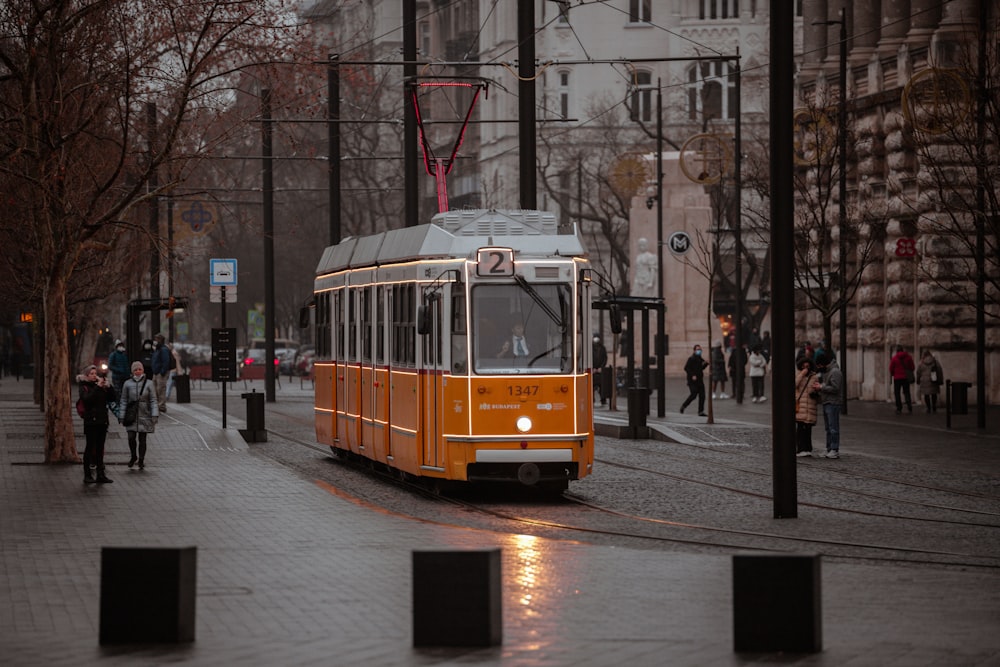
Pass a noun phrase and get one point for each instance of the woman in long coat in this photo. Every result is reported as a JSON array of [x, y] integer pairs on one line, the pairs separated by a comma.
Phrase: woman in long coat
[[139, 388], [95, 395], [805, 406], [929, 380]]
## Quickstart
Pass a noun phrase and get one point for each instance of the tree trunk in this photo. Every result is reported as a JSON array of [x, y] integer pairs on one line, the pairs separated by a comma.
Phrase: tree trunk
[[60, 444]]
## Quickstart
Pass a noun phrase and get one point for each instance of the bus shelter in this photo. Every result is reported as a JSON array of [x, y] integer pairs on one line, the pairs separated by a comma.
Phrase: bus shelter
[[622, 311]]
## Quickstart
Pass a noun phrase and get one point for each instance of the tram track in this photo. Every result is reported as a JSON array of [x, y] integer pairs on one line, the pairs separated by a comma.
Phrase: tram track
[[641, 530]]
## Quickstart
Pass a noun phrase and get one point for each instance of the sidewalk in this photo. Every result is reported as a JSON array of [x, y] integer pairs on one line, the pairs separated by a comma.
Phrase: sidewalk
[[291, 574]]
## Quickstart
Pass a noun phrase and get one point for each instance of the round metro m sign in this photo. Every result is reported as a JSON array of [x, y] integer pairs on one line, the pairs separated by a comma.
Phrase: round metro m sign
[[679, 243]]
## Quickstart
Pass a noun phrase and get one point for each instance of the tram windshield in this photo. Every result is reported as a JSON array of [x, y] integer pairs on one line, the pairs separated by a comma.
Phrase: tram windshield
[[522, 329]]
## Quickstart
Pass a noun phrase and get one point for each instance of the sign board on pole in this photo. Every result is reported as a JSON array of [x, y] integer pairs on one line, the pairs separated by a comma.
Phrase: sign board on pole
[[215, 294], [679, 243], [223, 272], [224, 355]]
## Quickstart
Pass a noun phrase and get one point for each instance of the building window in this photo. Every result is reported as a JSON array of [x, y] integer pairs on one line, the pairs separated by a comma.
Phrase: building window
[[718, 9], [711, 91], [642, 97], [564, 95], [640, 11], [425, 38]]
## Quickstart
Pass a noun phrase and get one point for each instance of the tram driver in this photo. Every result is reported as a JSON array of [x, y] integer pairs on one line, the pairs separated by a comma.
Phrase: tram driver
[[516, 345]]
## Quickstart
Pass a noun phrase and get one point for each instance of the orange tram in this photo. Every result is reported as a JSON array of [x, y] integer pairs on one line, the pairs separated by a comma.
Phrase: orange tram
[[459, 350]]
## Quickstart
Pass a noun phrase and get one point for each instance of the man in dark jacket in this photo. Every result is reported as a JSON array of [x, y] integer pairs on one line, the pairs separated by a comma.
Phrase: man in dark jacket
[[600, 360], [694, 369]]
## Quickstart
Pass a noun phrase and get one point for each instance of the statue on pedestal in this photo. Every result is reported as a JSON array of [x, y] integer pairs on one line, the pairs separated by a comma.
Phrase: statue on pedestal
[[645, 272]]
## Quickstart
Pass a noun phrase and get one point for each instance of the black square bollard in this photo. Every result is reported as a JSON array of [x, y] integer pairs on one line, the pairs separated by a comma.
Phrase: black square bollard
[[456, 598], [147, 595], [776, 603]]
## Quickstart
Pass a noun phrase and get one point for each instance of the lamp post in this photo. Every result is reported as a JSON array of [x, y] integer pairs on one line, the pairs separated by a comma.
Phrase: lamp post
[[842, 192]]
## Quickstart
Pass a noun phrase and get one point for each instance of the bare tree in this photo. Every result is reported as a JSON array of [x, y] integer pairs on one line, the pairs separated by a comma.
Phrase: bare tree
[[77, 157], [576, 168]]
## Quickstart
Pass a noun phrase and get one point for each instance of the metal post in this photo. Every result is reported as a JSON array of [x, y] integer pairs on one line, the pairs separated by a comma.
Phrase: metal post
[[411, 168], [842, 213], [661, 405], [738, 237], [154, 220], [526, 102], [981, 180], [268, 199], [333, 137], [782, 72]]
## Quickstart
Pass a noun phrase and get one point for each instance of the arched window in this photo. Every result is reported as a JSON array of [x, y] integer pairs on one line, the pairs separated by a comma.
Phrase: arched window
[[564, 95], [711, 91]]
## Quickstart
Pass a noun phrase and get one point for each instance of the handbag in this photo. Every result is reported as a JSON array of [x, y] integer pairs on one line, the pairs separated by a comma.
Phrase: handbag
[[131, 413]]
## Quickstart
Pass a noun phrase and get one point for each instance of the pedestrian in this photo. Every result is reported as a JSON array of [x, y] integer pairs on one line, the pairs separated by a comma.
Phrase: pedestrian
[[176, 368], [694, 369], [930, 376], [901, 369], [738, 371], [96, 395], [829, 391], [765, 345], [600, 360], [118, 366], [139, 388], [758, 368], [146, 357], [806, 395], [161, 369], [718, 373]]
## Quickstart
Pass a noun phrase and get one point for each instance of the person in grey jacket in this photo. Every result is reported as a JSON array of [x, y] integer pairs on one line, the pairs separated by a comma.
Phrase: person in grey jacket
[[830, 390], [139, 388]]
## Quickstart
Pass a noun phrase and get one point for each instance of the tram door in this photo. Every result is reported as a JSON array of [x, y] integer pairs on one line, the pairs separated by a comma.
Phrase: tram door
[[433, 402]]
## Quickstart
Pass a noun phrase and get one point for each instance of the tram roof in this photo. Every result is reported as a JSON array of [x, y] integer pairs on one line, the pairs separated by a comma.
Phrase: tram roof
[[457, 234]]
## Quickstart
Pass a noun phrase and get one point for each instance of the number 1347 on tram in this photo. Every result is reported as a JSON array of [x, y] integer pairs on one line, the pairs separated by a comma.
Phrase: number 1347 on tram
[[459, 350]]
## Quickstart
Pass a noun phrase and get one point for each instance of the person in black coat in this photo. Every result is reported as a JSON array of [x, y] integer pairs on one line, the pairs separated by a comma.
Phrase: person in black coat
[[694, 369], [95, 395], [600, 360]]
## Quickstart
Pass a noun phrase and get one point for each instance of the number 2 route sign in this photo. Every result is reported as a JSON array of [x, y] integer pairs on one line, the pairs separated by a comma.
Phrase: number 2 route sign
[[223, 272]]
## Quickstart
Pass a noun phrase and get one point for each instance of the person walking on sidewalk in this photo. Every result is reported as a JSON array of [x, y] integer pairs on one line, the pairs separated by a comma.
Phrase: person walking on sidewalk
[[96, 393], [829, 391], [600, 360], [694, 369], [758, 367], [930, 376], [718, 372], [118, 366], [138, 388], [806, 393], [901, 369], [161, 369]]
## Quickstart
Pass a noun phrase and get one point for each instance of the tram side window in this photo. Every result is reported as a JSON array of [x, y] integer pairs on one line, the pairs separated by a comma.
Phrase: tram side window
[[366, 323], [352, 324], [323, 329], [380, 324], [459, 352], [404, 327], [338, 322]]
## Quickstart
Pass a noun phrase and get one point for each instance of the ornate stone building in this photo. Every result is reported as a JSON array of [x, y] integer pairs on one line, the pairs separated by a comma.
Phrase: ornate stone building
[[918, 145]]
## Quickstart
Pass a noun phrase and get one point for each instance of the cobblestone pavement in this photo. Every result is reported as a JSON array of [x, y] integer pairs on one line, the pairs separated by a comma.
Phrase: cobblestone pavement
[[292, 574]]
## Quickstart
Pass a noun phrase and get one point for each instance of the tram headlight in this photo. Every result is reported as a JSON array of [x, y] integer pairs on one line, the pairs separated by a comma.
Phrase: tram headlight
[[523, 424]]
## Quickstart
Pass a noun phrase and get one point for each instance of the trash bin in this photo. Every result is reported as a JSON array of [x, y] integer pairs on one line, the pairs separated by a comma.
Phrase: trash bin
[[182, 383], [960, 398], [638, 406], [254, 432]]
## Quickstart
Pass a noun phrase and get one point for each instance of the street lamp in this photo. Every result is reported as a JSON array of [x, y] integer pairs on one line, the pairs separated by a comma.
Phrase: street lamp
[[842, 204]]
